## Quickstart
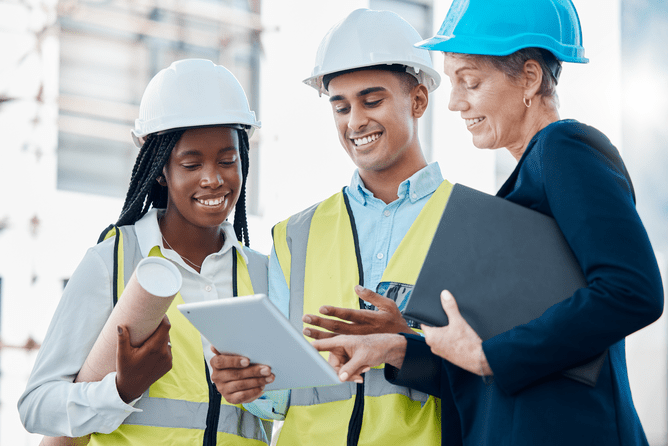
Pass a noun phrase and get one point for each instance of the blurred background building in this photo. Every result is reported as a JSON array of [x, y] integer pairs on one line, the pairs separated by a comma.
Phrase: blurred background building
[[71, 77]]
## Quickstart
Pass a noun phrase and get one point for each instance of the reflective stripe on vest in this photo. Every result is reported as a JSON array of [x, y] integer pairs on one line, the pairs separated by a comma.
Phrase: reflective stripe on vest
[[392, 414], [175, 409]]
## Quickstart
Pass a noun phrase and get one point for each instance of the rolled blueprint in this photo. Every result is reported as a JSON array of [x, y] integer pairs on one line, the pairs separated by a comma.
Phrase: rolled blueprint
[[141, 307]]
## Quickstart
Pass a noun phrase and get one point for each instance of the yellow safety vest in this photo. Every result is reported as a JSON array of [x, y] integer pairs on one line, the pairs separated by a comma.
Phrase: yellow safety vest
[[184, 407], [318, 252]]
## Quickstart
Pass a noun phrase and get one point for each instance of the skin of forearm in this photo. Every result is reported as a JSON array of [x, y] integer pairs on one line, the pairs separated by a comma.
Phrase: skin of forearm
[[396, 351]]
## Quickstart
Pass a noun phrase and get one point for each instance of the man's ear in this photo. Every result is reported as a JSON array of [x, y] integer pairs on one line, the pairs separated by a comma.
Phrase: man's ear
[[161, 180], [420, 100]]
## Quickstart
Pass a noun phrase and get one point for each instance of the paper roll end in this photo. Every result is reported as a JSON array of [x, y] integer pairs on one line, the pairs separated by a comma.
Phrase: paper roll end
[[158, 276]]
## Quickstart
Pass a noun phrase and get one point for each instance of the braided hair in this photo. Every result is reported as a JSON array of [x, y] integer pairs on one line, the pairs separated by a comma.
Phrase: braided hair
[[240, 218], [144, 190]]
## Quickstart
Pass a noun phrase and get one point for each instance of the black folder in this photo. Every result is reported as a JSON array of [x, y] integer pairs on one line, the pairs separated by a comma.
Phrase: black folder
[[504, 263]]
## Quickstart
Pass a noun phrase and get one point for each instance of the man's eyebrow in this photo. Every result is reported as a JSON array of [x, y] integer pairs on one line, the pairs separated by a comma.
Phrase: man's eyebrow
[[361, 93], [367, 91]]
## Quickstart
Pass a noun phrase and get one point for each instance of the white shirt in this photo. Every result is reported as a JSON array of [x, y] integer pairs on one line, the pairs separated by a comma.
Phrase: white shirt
[[52, 403]]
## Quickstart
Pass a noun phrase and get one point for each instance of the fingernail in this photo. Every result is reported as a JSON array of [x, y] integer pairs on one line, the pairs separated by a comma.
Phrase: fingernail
[[244, 362], [120, 330], [445, 295], [366, 369], [269, 379], [359, 288], [265, 371], [359, 381], [323, 310], [307, 332], [343, 376], [306, 319]]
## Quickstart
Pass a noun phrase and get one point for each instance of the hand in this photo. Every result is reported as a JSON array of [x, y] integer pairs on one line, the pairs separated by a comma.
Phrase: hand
[[457, 342], [387, 319], [353, 355], [237, 379], [139, 367]]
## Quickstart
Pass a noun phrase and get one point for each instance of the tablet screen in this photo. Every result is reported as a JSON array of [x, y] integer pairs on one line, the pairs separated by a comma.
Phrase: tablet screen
[[253, 327]]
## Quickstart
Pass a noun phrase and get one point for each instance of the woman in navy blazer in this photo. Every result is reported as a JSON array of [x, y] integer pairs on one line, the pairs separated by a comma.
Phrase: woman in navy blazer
[[503, 60]]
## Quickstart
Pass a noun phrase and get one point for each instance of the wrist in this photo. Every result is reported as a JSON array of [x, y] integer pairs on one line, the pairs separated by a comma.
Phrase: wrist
[[485, 369], [125, 397], [396, 351]]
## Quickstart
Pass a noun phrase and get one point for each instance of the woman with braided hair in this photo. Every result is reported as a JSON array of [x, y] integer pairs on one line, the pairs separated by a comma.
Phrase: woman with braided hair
[[189, 176]]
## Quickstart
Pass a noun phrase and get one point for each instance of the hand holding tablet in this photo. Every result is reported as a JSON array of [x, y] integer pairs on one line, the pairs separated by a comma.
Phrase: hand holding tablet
[[252, 327]]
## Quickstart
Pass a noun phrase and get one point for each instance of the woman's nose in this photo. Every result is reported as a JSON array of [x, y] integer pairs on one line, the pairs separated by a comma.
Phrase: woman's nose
[[212, 179], [457, 102]]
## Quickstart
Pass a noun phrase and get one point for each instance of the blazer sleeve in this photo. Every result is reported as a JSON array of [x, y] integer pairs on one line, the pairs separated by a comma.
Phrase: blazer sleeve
[[421, 369], [589, 194]]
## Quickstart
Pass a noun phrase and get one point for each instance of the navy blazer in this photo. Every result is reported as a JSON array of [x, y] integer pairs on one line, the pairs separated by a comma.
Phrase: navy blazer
[[572, 173]]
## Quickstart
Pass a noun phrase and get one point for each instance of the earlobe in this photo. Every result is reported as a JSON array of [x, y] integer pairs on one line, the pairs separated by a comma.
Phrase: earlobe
[[161, 180]]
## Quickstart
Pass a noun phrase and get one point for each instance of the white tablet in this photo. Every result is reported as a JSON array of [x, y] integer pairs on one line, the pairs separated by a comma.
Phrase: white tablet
[[253, 327]]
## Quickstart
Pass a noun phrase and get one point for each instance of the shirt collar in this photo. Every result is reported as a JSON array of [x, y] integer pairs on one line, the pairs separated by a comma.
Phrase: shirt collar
[[421, 184], [149, 235]]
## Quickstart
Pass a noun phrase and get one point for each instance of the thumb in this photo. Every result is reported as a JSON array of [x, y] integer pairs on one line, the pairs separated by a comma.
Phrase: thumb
[[450, 305], [123, 343]]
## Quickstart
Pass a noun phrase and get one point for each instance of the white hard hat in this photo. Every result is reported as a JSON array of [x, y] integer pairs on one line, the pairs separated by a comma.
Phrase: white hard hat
[[193, 93], [367, 38]]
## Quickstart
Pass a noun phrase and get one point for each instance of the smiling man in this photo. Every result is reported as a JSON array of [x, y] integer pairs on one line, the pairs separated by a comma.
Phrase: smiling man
[[371, 236]]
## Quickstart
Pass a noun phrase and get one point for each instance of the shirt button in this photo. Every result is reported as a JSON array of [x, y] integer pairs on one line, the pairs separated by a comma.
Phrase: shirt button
[[379, 256], [414, 196], [207, 288], [387, 213]]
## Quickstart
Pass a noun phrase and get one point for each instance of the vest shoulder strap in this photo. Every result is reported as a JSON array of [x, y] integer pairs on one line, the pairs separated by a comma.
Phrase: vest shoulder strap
[[126, 256]]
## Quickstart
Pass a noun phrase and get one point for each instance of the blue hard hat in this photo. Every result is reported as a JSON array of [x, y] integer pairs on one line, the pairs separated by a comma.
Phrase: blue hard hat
[[501, 27]]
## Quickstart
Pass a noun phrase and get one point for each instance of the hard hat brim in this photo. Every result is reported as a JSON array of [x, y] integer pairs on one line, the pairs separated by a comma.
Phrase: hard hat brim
[[502, 47], [139, 139], [432, 79]]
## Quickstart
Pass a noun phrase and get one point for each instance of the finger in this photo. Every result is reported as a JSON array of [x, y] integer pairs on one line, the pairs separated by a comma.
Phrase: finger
[[335, 361], [450, 305], [326, 345], [223, 361], [248, 384], [358, 378], [317, 334], [348, 314], [244, 396], [258, 372], [123, 345], [355, 316], [353, 369], [374, 299], [160, 336], [337, 326]]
